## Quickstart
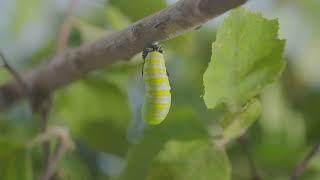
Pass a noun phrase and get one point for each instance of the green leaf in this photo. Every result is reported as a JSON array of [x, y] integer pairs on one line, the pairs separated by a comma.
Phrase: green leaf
[[116, 19], [12, 138], [93, 99], [17, 166], [88, 31], [72, 167], [15, 159], [9, 144], [235, 124], [180, 125], [246, 56], [105, 136], [43, 52], [140, 9], [282, 130], [4, 74], [97, 112], [197, 159], [181, 45]]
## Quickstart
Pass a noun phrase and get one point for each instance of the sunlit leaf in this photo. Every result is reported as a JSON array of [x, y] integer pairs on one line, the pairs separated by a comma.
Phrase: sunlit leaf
[[245, 57]]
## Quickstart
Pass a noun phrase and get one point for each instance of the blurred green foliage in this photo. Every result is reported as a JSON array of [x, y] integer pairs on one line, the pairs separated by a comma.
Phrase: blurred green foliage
[[141, 8], [26, 11], [102, 111]]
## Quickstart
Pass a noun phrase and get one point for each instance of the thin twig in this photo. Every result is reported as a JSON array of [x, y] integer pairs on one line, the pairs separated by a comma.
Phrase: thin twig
[[66, 27], [300, 168], [243, 141], [51, 133], [46, 102], [53, 163], [44, 113], [64, 143], [15, 74]]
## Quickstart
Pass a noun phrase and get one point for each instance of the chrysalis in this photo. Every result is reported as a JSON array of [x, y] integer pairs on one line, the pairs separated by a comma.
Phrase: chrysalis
[[157, 99]]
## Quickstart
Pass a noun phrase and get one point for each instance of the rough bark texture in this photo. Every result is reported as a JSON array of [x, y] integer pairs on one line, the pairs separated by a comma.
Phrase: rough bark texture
[[75, 63]]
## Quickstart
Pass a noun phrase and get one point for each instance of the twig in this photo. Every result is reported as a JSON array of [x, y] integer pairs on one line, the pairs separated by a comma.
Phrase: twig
[[45, 102], [15, 74], [37, 106], [53, 163], [51, 133], [44, 111], [64, 143], [66, 27], [243, 141], [300, 168], [74, 64], [63, 37]]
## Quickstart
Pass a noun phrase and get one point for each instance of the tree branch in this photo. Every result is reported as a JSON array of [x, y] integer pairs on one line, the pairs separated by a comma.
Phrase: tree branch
[[74, 64]]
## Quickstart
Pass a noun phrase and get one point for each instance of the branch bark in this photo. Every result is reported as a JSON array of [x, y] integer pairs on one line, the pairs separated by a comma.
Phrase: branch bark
[[74, 64]]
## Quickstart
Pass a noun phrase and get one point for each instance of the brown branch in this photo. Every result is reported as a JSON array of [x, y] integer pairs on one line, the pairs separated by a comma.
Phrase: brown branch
[[74, 64], [298, 171]]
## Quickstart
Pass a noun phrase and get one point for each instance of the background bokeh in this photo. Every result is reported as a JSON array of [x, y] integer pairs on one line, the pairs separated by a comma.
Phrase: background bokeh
[[102, 111]]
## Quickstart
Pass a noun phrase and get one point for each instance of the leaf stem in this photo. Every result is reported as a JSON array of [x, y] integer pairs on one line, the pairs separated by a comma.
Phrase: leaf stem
[[243, 141], [53, 163], [300, 168]]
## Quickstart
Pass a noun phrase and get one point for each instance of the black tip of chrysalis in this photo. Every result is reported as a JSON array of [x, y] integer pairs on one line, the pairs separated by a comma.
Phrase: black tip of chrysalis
[[155, 46]]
